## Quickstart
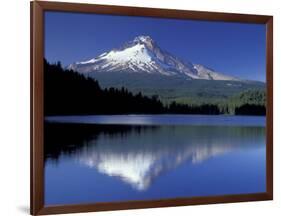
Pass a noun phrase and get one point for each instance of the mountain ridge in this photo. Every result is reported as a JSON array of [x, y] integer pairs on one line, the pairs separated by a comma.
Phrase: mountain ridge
[[143, 55]]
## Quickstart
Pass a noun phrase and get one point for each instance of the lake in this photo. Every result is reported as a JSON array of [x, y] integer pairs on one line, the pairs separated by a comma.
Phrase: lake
[[91, 159]]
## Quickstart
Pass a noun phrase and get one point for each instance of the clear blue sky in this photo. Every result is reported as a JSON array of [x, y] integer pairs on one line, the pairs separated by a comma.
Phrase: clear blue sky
[[231, 48]]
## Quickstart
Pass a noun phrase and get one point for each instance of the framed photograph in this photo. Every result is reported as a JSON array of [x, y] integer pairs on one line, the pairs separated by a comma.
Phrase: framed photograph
[[140, 107]]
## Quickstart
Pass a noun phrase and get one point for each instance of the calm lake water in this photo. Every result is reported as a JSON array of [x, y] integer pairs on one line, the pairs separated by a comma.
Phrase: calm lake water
[[92, 159]]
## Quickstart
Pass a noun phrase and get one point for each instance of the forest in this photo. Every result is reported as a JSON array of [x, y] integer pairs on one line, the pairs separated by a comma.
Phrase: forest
[[67, 92]]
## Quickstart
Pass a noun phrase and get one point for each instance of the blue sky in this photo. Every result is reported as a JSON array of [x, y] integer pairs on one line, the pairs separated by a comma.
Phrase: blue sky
[[232, 48]]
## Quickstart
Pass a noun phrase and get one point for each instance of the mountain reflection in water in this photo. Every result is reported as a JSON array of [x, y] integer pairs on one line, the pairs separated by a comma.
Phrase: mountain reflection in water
[[139, 154]]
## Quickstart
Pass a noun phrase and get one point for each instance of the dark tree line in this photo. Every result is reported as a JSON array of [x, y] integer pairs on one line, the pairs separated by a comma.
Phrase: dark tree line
[[67, 92], [250, 108], [208, 109]]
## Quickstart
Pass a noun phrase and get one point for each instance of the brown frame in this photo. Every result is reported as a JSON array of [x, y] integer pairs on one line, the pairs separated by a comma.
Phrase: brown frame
[[36, 65]]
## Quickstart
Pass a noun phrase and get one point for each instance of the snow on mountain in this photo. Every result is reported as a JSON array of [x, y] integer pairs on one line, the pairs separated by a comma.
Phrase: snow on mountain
[[143, 55], [209, 74]]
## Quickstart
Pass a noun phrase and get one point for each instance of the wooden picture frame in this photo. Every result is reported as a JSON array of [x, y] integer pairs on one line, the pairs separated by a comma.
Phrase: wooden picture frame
[[37, 149]]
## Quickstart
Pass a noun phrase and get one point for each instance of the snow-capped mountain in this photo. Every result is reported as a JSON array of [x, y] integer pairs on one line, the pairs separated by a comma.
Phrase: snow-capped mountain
[[144, 56]]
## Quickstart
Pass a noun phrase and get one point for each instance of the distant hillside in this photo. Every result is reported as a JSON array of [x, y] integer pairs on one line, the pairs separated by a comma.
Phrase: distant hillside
[[175, 88], [67, 92]]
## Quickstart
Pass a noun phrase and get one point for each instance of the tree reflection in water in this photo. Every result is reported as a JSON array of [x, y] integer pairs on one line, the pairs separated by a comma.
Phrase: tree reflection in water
[[138, 154]]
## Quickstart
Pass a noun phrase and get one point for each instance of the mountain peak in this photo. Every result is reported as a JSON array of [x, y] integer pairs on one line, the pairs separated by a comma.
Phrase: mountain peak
[[143, 38]]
